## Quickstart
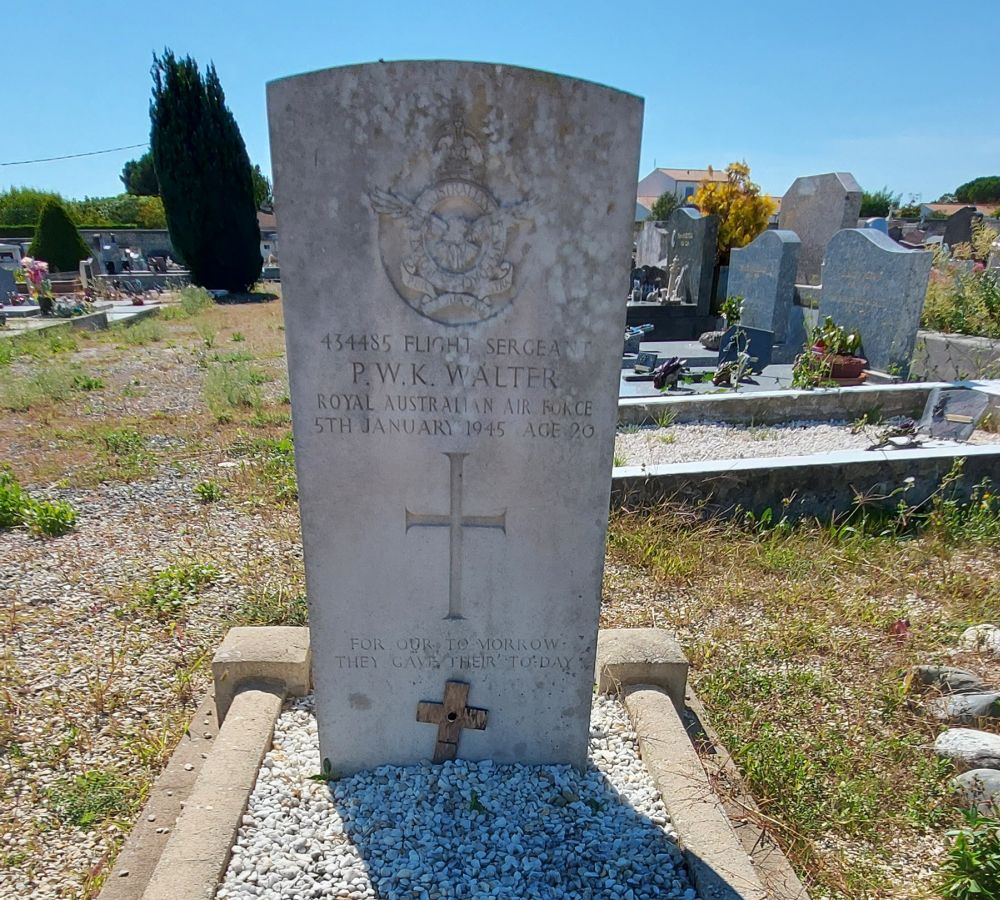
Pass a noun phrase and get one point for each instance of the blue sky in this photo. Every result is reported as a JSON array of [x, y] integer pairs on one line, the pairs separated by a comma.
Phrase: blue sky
[[894, 92]]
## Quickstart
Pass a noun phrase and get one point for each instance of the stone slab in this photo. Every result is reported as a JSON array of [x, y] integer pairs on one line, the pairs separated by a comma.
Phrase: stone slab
[[953, 413], [274, 654], [454, 348], [816, 207], [874, 286], [756, 342], [627, 656]]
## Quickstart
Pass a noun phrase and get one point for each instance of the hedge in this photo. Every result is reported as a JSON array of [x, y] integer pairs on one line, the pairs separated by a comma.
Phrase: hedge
[[28, 231]]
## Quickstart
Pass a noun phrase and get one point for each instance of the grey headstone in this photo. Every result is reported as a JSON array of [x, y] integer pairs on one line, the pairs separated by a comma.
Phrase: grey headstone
[[763, 274], [7, 284], [952, 414], [651, 243], [958, 229], [878, 223], [454, 366], [816, 207], [874, 286], [755, 341]]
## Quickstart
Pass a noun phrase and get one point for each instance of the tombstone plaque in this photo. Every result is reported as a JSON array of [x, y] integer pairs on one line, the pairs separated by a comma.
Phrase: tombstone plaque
[[874, 286], [816, 207], [454, 363], [953, 413], [958, 228]]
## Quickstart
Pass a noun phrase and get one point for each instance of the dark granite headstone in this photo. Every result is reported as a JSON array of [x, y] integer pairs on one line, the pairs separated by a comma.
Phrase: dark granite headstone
[[7, 284], [952, 414], [755, 341], [875, 287], [958, 229], [763, 274], [691, 243]]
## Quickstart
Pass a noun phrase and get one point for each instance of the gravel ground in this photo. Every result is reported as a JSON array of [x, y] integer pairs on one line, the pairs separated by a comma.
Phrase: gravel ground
[[690, 443], [462, 829]]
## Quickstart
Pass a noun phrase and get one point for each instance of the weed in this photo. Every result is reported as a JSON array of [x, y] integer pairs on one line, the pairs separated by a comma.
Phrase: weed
[[95, 796], [195, 300], [207, 331], [123, 441], [50, 518], [230, 387], [762, 434], [325, 774], [620, 460], [87, 383], [274, 463], [667, 438], [13, 500], [238, 337], [169, 592], [234, 357], [629, 429], [475, 805], [148, 331], [971, 870], [208, 491], [273, 606], [665, 418]]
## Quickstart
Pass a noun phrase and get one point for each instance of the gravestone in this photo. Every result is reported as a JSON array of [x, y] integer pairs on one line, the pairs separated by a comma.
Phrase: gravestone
[[958, 228], [689, 256], [755, 342], [874, 286], [7, 284], [454, 363], [651, 243], [763, 274], [879, 223], [816, 207]]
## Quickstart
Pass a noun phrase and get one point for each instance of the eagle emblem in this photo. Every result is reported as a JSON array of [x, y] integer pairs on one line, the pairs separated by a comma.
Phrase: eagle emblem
[[452, 238]]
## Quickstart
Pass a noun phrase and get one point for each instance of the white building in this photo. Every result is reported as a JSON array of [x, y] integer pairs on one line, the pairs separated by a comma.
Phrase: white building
[[682, 183]]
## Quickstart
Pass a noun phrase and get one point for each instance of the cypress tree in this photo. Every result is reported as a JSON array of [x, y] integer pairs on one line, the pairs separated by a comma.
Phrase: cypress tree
[[204, 173], [56, 239]]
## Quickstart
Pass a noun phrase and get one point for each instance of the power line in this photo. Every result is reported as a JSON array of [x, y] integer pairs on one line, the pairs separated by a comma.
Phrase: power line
[[24, 162]]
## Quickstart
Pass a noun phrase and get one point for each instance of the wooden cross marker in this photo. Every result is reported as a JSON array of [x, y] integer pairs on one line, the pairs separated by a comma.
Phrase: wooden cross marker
[[451, 717]]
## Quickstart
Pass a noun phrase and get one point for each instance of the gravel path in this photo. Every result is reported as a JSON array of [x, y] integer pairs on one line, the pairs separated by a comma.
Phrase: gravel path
[[690, 443], [464, 829]]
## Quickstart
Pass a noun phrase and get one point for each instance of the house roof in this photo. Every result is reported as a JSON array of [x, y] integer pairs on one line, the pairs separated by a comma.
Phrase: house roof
[[646, 201], [695, 174], [947, 208], [267, 221]]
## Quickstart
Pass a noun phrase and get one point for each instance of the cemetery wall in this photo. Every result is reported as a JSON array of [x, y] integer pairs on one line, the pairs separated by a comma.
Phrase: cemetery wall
[[954, 357]]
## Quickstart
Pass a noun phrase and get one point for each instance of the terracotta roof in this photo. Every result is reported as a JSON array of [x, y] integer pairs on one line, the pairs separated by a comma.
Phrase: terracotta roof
[[646, 201], [695, 174], [947, 208], [266, 220]]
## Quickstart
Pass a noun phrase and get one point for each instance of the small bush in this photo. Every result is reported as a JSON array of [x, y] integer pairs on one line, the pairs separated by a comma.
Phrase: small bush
[[50, 518], [94, 797], [123, 441], [971, 870], [208, 491], [87, 383], [170, 591]]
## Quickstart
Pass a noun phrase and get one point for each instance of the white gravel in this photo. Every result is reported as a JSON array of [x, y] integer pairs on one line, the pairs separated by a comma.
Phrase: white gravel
[[463, 829], [693, 442]]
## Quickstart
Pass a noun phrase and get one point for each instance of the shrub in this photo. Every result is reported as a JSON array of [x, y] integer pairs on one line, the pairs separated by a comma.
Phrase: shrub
[[664, 205], [195, 299], [21, 205], [205, 177], [963, 303], [56, 239], [13, 500], [985, 189], [742, 210], [50, 518], [208, 491], [878, 203], [971, 870], [170, 591]]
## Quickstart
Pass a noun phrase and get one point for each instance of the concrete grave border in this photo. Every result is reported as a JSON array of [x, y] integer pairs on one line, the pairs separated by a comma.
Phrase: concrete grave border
[[181, 844]]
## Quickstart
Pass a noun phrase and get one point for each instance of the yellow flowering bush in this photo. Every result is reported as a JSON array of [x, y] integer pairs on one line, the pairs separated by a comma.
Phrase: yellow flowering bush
[[742, 210]]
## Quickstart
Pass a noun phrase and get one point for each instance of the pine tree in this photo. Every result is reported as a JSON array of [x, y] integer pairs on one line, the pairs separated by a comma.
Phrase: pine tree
[[56, 239], [205, 177]]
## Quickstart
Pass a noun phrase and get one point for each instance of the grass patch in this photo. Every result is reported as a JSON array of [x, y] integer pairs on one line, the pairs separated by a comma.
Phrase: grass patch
[[145, 331], [231, 387], [169, 592], [790, 633], [273, 606], [271, 473], [96, 796]]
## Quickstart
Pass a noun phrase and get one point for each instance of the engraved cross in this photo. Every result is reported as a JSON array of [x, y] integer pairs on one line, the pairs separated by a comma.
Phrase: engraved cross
[[455, 522], [451, 717]]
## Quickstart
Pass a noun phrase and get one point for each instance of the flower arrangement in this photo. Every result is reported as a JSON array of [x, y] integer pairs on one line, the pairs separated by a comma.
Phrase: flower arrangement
[[36, 273]]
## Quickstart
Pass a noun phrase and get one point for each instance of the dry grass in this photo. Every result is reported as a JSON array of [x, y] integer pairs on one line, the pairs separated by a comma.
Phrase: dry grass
[[789, 633]]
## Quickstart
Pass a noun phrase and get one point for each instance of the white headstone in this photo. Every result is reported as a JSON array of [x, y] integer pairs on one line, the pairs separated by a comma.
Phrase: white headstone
[[453, 239]]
